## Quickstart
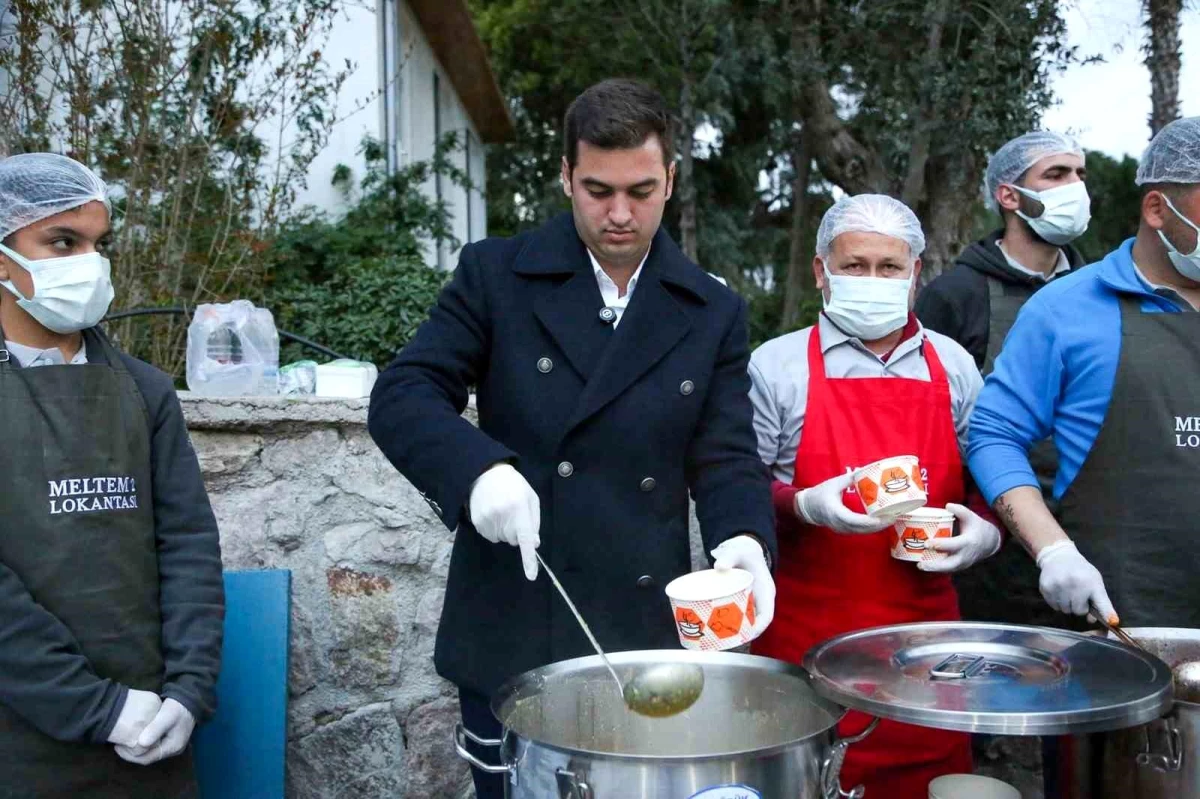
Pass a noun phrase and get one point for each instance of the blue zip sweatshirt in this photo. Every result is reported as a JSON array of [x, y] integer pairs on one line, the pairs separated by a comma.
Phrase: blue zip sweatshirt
[[1055, 374]]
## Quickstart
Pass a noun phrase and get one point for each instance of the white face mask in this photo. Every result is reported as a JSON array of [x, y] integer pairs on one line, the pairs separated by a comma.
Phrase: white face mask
[[1186, 264], [1066, 211], [69, 294], [867, 308]]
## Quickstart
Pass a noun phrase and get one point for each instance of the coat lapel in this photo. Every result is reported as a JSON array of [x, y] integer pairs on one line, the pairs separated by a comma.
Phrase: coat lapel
[[653, 324], [569, 307]]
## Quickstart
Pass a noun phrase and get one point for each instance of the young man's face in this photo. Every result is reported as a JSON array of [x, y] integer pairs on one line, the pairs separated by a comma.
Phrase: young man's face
[[1050, 172], [617, 197], [79, 231]]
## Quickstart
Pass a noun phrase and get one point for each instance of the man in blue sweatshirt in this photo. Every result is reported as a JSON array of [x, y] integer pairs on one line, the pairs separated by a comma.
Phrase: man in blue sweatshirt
[[1107, 361]]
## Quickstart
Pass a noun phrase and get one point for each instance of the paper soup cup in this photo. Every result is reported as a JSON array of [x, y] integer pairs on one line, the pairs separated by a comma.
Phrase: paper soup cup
[[890, 486], [713, 610], [914, 531]]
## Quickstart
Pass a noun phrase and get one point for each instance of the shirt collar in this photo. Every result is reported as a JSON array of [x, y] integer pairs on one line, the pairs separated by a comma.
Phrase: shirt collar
[[832, 336], [603, 277], [1063, 265], [1162, 291], [26, 355]]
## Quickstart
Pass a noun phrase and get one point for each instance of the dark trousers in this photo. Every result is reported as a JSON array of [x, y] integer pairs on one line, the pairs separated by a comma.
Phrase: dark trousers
[[477, 717]]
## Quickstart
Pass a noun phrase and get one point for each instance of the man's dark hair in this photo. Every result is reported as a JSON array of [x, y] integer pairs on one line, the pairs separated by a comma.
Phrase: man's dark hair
[[1175, 191], [618, 114]]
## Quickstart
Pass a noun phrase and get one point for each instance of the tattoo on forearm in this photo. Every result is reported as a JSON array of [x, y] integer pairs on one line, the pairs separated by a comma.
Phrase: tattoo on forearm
[[1008, 515]]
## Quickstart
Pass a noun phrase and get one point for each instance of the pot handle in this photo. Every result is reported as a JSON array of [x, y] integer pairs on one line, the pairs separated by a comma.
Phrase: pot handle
[[1172, 759], [461, 734], [831, 768]]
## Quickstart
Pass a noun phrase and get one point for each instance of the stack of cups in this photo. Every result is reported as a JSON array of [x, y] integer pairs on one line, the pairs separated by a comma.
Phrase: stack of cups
[[894, 489]]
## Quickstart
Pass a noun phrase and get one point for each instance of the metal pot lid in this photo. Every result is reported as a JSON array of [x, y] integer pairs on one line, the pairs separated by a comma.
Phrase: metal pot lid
[[1002, 679]]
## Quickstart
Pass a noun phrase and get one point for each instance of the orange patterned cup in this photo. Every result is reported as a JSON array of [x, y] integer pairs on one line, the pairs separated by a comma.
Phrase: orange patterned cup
[[913, 532], [713, 610], [891, 486]]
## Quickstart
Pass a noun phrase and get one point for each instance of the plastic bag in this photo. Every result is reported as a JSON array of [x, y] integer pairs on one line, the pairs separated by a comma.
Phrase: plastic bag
[[298, 378], [233, 351]]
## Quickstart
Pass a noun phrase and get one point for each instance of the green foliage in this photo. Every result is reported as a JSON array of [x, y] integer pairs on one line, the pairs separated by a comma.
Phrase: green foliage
[[1116, 204], [360, 284], [742, 64], [168, 102]]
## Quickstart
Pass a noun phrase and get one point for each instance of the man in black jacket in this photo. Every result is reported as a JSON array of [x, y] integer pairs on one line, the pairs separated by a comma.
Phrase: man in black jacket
[[1035, 182], [611, 377]]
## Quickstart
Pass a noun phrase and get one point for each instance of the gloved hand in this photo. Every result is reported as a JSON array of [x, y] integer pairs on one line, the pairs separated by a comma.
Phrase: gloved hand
[[139, 709], [1068, 582], [822, 506], [166, 736], [977, 540], [745, 552], [505, 508]]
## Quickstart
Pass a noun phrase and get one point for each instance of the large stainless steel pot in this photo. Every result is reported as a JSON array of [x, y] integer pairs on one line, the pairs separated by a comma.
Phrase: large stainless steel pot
[[758, 730], [1159, 760]]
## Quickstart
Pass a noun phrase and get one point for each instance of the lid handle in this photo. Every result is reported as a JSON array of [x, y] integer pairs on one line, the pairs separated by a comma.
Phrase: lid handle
[[957, 667]]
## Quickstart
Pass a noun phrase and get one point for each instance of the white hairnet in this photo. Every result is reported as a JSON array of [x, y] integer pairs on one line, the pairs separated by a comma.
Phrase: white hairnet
[[34, 186], [1014, 159], [1173, 155], [870, 213]]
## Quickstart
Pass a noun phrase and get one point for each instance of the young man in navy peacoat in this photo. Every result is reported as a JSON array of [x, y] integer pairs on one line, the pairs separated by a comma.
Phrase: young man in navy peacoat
[[597, 415]]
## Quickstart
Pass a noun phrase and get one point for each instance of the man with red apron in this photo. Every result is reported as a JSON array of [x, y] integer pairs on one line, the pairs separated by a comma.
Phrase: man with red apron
[[867, 382]]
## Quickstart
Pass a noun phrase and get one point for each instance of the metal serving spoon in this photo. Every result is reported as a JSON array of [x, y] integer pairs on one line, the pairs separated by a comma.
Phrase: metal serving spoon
[[661, 690]]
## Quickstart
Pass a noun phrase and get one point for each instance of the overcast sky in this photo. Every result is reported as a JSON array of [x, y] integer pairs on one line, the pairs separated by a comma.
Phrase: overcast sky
[[1107, 105]]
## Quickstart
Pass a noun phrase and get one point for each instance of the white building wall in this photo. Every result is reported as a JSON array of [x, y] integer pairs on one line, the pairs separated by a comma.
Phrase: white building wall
[[390, 96]]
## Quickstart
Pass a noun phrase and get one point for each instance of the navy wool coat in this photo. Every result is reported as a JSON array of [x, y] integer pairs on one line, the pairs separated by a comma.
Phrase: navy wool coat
[[611, 427]]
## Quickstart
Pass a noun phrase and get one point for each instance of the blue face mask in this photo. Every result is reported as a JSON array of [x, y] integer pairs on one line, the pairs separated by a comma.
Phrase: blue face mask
[[1186, 264]]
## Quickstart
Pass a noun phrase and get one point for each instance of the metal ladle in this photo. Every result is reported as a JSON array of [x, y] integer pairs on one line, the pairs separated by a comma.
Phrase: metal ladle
[[660, 690]]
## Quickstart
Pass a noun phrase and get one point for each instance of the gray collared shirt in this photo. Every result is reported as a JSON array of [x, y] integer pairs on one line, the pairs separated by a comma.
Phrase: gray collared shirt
[[779, 383], [29, 357]]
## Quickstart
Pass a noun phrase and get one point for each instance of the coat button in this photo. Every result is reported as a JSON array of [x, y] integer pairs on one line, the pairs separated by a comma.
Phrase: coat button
[[565, 469], [607, 315], [648, 484], [645, 581], [687, 387], [545, 365]]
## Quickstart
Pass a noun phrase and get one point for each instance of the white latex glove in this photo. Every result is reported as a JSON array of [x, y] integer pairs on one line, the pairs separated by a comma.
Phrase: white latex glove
[[977, 539], [139, 709], [166, 736], [744, 552], [505, 508], [822, 506], [1068, 581]]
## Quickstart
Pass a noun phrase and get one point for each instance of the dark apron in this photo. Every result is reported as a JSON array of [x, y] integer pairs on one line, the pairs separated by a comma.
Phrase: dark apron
[[1131, 508], [1004, 588], [85, 549]]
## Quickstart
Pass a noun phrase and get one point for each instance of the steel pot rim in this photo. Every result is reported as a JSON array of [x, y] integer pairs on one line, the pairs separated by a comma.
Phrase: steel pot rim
[[513, 686]]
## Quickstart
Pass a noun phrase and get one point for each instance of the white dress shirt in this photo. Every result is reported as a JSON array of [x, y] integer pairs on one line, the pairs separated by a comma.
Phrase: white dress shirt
[[779, 383], [29, 357], [609, 290]]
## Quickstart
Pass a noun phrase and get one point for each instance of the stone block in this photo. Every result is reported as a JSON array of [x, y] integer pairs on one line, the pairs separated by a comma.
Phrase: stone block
[[358, 756], [429, 757], [365, 626]]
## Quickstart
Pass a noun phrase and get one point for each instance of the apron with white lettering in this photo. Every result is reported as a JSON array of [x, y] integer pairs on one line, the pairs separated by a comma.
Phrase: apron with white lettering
[[77, 527], [1131, 510], [1004, 587]]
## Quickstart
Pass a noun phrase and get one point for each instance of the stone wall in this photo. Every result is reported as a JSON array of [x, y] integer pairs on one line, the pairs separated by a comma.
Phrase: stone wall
[[299, 485]]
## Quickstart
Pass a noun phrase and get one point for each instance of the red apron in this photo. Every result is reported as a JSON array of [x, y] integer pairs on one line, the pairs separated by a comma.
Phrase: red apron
[[831, 583]]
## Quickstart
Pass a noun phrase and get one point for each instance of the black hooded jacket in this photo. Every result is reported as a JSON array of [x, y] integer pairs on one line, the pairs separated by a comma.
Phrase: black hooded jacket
[[955, 303]]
